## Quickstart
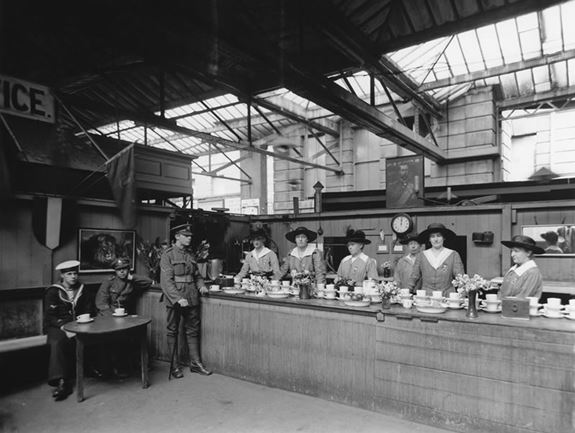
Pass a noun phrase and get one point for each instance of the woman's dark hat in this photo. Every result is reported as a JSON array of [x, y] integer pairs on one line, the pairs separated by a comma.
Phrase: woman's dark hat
[[435, 228], [525, 242], [357, 236], [121, 263], [407, 239], [258, 234], [550, 237], [311, 236]]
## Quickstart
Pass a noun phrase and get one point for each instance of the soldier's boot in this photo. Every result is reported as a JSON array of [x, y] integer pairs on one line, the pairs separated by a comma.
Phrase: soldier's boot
[[176, 372], [196, 365]]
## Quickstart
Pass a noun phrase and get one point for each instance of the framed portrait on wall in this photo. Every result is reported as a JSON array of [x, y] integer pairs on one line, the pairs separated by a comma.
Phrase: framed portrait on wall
[[555, 239], [404, 180], [99, 248]]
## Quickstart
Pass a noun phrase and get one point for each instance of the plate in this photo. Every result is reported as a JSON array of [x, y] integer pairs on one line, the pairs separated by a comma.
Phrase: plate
[[364, 303], [560, 316], [278, 295], [432, 310], [85, 321], [568, 316], [119, 315], [234, 291]]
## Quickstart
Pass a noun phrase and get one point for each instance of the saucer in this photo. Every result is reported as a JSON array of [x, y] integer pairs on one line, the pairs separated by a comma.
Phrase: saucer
[[85, 321], [568, 316], [497, 310], [119, 315], [456, 307], [560, 316]]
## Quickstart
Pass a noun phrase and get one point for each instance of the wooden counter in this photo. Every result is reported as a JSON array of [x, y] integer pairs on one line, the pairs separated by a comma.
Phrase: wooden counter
[[485, 375]]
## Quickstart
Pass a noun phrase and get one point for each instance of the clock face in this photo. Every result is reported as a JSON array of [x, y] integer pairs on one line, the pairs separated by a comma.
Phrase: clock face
[[401, 223]]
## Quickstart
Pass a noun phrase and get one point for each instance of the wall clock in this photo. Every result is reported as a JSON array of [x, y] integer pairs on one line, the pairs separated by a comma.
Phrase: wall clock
[[401, 224]]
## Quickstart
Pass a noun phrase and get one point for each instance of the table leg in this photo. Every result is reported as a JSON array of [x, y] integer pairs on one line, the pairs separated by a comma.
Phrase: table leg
[[144, 356], [79, 369]]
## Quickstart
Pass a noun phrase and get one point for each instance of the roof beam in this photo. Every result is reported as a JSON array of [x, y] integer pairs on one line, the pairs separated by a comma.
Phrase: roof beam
[[522, 101], [480, 19], [500, 70], [170, 125], [357, 45]]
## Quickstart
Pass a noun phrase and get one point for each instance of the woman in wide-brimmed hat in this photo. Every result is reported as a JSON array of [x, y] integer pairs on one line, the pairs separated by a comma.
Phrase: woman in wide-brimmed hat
[[523, 278], [304, 257], [404, 266], [261, 260], [437, 266], [358, 266]]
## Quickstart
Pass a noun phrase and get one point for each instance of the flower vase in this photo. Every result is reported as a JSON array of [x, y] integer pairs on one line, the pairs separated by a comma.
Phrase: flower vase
[[304, 291], [385, 303], [472, 305]]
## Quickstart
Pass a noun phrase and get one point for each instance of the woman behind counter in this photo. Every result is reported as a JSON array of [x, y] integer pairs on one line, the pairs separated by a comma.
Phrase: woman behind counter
[[437, 266], [304, 257], [260, 260], [404, 266], [357, 266], [524, 278]]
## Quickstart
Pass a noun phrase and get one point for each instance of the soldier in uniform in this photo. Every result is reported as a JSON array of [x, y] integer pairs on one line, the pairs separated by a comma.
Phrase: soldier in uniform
[[120, 290], [182, 285], [63, 303]]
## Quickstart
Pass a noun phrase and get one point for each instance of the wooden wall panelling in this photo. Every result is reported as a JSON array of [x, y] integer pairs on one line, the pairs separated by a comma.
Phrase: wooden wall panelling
[[469, 375], [298, 350]]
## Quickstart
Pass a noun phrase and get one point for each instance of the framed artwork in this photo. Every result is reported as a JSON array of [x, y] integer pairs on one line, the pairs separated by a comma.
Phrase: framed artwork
[[555, 239], [404, 182], [98, 248]]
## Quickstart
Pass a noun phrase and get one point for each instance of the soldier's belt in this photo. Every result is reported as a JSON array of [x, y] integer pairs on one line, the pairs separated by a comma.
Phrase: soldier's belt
[[183, 279]]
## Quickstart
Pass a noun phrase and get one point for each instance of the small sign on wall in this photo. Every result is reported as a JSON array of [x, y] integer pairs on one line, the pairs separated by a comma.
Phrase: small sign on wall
[[25, 99]]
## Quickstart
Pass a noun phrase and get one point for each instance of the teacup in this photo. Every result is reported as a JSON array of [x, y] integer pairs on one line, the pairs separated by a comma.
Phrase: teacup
[[491, 306], [437, 294], [554, 302], [358, 289], [533, 301], [407, 303], [330, 294], [120, 311], [454, 296], [404, 292], [572, 302], [534, 310], [491, 297], [321, 286], [421, 293], [342, 289], [214, 288], [320, 293], [275, 282], [331, 287], [285, 283], [83, 317]]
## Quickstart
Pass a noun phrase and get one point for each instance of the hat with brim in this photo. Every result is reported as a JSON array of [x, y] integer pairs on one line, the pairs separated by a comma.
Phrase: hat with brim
[[121, 263], [311, 236], [550, 237], [358, 237], [258, 234], [525, 242], [69, 265], [423, 237], [184, 229], [407, 239]]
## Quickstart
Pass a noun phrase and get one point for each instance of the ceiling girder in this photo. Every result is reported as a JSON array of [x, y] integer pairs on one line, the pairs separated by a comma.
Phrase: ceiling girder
[[359, 46], [500, 70], [160, 122]]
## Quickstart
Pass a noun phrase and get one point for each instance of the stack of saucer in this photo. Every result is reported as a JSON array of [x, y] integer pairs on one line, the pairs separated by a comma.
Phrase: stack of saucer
[[552, 309]]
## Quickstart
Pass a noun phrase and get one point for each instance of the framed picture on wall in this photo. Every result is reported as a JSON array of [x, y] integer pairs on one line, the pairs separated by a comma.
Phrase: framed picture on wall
[[404, 181], [98, 248], [555, 239]]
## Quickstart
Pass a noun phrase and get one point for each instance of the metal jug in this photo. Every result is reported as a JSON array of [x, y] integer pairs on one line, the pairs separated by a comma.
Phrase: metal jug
[[215, 268]]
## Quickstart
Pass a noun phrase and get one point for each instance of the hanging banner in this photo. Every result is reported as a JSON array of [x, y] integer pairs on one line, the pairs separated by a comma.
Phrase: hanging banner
[[25, 99]]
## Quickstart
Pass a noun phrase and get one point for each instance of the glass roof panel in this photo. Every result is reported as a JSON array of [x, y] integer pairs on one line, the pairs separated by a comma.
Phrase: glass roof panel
[[471, 51], [525, 82], [567, 14], [552, 30], [490, 46], [509, 41]]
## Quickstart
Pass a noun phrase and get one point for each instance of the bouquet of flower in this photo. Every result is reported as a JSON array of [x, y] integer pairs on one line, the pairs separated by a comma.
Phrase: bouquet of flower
[[465, 284], [348, 283], [151, 254], [258, 283], [302, 278], [388, 289]]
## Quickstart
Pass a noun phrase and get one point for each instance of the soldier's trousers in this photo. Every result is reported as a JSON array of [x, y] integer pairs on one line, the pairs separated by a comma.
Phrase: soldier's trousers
[[190, 322]]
